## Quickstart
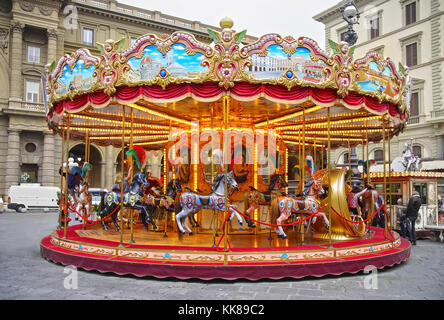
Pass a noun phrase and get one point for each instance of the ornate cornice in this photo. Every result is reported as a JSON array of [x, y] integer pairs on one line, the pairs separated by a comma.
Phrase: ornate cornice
[[52, 33], [17, 26]]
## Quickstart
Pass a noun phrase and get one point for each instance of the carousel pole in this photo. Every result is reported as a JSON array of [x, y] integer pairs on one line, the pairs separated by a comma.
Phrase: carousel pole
[[131, 175], [329, 178], [367, 158], [86, 160], [66, 179], [314, 152], [226, 172], [61, 180], [122, 167], [300, 161], [349, 162], [362, 152], [303, 168], [390, 179], [214, 221], [385, 173]]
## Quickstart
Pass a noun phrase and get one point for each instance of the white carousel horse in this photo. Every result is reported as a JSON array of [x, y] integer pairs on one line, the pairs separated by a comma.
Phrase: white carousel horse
[[191, 202], [84, 201]]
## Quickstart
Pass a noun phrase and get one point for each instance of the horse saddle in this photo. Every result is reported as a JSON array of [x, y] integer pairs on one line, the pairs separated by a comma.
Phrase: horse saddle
[[131, 198]]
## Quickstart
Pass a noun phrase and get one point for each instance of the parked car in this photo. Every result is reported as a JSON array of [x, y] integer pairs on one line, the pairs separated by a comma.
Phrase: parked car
[[32, 195], [96, 194]]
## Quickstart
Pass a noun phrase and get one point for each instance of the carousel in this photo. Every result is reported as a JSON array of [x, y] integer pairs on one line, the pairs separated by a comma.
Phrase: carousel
[[225, 116]]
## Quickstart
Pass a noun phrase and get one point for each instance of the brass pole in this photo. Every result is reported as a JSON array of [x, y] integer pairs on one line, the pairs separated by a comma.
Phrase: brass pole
[[85, 161], [226, 172], [314, 152], [61, 180], [131, 176], [390, 180], [303, 166], [122, 167], [367, 158], [66, 178], [349, 163], [322, 157], [300, 161], [385, 173], [215, 222], [329, 178]]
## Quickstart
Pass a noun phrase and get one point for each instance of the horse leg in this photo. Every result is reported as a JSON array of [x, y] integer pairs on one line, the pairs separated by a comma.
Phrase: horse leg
[[114, 217], [185, 224], [280, 230], [179, 216], [247, 213], [235, 213], [196, 224], [103, 213]]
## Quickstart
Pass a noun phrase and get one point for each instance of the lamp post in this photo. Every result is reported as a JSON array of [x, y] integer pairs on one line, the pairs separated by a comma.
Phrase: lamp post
[[351, 15]]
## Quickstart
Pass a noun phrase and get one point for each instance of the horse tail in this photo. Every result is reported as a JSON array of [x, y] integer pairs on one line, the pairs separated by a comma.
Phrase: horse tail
[[177, 207], [274, 207], [246, 201]]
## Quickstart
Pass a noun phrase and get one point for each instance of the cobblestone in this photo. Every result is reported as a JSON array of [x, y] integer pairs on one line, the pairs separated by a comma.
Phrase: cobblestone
[[26, 275]]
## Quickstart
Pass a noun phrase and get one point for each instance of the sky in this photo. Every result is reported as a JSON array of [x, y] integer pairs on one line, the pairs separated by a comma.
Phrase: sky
[[259, 17]]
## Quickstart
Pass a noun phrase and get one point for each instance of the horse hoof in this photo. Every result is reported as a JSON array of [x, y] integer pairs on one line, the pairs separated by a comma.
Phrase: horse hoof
[[191, 233], [280, 236], [284, 237]]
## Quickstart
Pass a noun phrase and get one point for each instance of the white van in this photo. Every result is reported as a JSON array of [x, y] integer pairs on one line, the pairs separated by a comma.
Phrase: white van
[[32, 195]]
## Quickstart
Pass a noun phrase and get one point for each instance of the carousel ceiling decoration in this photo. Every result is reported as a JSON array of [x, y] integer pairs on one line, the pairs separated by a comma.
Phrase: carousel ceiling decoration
[[277, 81]]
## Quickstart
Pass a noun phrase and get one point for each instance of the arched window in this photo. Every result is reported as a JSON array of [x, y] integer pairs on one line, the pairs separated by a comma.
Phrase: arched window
[[346, 158], [378, 155], [417, 151]]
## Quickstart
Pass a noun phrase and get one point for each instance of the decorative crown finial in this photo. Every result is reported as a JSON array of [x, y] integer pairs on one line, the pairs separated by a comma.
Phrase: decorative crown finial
[[226, 23]]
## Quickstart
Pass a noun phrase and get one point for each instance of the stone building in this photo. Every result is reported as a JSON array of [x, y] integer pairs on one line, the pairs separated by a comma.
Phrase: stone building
[[410, 32], [36, 32]]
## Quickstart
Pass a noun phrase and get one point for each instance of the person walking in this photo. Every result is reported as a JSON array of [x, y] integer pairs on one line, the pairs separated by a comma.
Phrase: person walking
[[412, 214]]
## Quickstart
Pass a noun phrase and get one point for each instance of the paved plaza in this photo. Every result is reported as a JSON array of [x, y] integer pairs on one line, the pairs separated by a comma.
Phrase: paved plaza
[[26, 275]]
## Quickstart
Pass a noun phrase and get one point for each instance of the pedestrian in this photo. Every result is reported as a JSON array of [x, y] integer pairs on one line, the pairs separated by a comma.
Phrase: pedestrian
[[353, 199], [412, 214]]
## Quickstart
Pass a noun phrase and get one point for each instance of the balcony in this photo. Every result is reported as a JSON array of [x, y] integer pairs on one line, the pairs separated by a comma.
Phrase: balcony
[[416, 119], [27, 106]]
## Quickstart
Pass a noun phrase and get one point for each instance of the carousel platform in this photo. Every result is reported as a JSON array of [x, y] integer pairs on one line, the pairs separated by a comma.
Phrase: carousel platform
[[251, 257]]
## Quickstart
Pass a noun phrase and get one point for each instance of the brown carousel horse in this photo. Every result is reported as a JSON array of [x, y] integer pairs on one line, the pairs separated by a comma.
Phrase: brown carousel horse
[[283, 207], [372, 202], [254, 198]]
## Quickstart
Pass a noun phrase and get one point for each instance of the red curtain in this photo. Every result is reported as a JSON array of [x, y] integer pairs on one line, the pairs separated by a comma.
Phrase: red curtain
[[211, 91]]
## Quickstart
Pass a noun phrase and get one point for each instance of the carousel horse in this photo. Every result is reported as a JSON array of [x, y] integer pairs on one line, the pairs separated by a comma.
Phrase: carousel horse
[[84, 200], [283, 207], [371, 202], [132, 198], [254, 198], [165, 202], [192, 202]]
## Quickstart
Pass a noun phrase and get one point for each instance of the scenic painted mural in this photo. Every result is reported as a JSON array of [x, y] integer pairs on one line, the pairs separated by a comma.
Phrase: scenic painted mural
[[277, 62], [79, 78], [176, 61], [375, 80]]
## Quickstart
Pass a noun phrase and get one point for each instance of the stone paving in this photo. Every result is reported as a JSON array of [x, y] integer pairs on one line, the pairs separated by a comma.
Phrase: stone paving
[[26, 275]]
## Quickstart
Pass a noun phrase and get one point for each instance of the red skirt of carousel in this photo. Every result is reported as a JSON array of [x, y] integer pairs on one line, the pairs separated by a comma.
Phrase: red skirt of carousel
[[251, 257]]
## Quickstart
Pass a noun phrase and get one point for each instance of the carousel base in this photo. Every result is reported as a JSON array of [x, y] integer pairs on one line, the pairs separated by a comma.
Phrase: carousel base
[[251, 257]]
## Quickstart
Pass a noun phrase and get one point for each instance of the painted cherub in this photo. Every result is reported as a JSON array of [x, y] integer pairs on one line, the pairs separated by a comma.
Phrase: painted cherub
[[343, 57], [109, 54]]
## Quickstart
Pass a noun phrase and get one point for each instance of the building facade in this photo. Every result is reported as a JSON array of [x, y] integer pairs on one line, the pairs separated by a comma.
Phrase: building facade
[[410, 32], [34, 33]]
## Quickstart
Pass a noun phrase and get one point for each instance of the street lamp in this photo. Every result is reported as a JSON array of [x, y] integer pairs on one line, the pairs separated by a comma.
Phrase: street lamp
[[351, 15]]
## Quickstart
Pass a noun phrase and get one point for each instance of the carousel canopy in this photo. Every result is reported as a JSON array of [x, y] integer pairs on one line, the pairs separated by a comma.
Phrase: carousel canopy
[[281, 83]]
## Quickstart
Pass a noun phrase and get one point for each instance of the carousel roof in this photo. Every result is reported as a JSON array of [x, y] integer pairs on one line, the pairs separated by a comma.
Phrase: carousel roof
[[280, 83]]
